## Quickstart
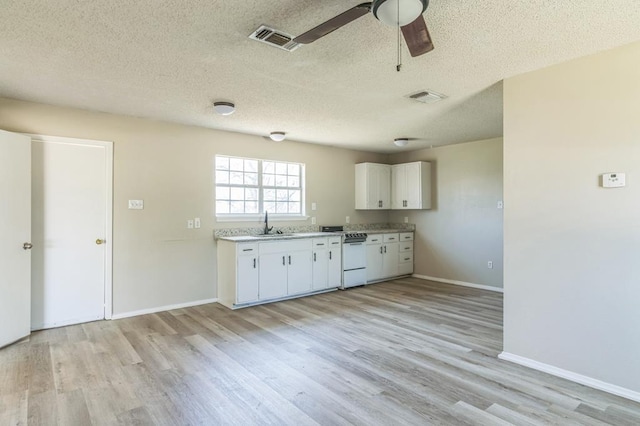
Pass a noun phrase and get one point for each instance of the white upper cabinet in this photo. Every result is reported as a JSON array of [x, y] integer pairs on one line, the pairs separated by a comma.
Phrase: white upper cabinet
[[373, 186], [411, 186]]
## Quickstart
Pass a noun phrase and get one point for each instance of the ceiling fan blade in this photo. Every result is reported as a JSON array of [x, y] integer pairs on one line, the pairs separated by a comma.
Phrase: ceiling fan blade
[[417, 37], [333, 24]]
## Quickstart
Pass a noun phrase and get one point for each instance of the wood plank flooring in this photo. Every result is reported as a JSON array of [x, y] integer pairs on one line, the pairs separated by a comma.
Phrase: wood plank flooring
[[406, 352]]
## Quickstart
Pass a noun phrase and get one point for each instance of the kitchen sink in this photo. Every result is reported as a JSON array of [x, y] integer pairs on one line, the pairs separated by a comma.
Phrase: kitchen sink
[[273, 235]]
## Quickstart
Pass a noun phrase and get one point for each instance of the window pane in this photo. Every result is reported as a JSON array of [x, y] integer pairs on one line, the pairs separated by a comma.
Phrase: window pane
[[269, 194], [294, 207], [268, 167], [236, 164], [237, 194], [237, 207], [222, 177], [237, 178], [281, 180], [222, 163], [251, 179], [282, 195], [270, 206], [222, 207], [281, 207], [222, 193], [293, 170], [251, 194], [251, 166], [268, 180], [293, 182], [294, 195], [251, 207], [281, 168]]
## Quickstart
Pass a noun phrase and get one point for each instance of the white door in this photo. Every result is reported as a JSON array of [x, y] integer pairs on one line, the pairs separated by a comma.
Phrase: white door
[[15, 231], [389, 260], [320, 269], [374, 262], [273, 275], [334, 278], [299, 272], [247, 286], [70, 190]]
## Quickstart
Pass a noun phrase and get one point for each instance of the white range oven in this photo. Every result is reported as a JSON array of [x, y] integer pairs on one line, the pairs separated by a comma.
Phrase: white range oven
[[354, 256]]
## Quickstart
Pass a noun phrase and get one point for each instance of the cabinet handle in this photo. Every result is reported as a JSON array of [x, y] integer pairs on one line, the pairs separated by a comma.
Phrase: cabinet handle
[[247, 249], [329, 254], [407, 248], [380, 249], [407, 258], [289, 260], [283, 260], [254, 263], [385, 249], [320, 244], [314, 257]]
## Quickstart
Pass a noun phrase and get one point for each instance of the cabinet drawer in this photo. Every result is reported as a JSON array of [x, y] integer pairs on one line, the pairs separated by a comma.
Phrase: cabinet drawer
[[405, 257], [247, 249], [374, 239], [334, 242], [405, 247], [406, 236], [391, 238], [320, 243], [284, 246]]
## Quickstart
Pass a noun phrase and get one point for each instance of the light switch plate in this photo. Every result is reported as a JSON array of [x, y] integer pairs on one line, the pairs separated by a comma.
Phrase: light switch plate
[[196, 223], [136, 204], [313, 206]]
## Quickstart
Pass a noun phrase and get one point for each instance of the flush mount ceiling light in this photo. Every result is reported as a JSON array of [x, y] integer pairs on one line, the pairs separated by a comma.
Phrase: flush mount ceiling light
[[224, 108], [398, 12], [400, 142], [277, 136]]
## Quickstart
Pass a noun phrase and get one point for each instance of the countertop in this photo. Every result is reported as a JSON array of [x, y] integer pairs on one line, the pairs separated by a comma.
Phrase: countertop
[[298, 235]]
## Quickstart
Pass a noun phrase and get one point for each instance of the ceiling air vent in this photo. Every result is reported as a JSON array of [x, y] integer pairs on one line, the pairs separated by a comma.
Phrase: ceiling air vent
[[274, 38], [427, 96]]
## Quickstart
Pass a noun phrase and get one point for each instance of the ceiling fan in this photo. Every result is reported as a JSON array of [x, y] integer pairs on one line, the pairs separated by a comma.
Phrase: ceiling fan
[[406, 14]]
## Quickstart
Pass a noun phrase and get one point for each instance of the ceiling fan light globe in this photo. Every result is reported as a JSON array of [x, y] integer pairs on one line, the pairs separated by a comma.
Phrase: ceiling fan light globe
[[400, 142], [224, 108], [386, 11]]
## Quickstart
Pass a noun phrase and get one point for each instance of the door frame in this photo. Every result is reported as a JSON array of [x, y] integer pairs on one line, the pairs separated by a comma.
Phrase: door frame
[[108, 179]]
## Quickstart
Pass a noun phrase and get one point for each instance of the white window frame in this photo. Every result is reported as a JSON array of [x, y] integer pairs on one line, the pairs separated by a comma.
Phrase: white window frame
[[250, 217]]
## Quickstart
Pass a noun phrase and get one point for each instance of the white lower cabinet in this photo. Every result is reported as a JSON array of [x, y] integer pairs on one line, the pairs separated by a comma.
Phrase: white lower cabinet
[[327, 263], [388, 256], [285, 268], [247, 287], [405, 254]]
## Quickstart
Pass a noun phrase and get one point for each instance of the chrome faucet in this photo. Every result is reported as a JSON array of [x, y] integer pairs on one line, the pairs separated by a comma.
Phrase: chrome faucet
[[266, 223]]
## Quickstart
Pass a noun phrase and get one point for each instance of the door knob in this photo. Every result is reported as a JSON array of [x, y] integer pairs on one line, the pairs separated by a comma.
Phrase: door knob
[[27, 246], [99, 241]]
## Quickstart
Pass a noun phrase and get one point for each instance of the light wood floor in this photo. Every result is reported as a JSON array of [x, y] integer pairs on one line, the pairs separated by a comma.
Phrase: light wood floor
[[401, 352]]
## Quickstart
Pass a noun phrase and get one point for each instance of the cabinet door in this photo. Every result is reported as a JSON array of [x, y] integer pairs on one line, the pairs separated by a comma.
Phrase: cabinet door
[[272, 275], [384, 186], [398, 187], [335, 267], [320, 269], [413, 185], [299, 272], [374, 262], [373, 187], [247, 279], [389, 260]]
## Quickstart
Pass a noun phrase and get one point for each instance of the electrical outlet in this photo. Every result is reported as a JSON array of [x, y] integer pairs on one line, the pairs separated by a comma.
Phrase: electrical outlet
[[490, 264], [313, 206], [196, 223], [406, 219], [500, 204], [313, 220], [348, 219], [190, 224], [136, 204]]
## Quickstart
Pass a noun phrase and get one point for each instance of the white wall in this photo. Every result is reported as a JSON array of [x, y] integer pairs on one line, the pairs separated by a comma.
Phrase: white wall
[[572, 268], [463, 230], [156, 260]]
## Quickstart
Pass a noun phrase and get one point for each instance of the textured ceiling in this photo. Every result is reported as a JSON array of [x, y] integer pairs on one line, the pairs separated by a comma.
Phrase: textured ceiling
[[169, 59]]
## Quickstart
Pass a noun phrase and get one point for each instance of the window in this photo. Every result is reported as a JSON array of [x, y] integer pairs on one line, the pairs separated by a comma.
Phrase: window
[[250, 187]]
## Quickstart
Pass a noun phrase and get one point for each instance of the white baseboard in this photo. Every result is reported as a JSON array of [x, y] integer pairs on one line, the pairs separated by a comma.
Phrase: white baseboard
[[163, 308], [569, 375], [462, 283]]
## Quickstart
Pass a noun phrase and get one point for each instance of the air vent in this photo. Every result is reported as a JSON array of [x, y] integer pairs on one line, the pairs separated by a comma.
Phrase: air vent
[[274, 38], [427, 96]]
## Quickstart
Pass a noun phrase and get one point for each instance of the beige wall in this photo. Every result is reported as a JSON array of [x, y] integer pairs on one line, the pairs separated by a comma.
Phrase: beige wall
[[156, 260], [572, 269], [463, 230]]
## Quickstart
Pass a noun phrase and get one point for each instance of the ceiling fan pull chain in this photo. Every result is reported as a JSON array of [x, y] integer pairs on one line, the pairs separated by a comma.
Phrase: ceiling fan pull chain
[[399, 66]]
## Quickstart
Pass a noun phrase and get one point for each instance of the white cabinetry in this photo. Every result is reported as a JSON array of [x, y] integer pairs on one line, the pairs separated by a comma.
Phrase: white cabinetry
[[411, 186], [382, 256], [390, 255], [405, 254], [373, 186], [327, 261], [247, 286], [285, 268]]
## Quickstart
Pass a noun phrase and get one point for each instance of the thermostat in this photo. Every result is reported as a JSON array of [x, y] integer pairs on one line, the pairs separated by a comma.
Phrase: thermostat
[[613, 180]]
